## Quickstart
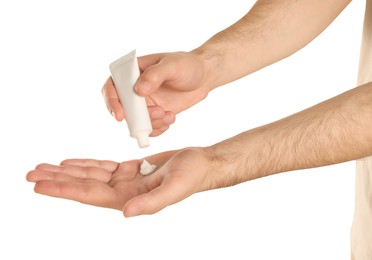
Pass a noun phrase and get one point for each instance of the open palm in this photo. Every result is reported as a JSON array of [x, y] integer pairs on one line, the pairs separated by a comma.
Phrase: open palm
[[120, 186]]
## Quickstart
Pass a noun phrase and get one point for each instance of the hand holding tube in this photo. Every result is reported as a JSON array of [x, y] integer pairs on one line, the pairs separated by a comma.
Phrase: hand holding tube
[[171, 83]]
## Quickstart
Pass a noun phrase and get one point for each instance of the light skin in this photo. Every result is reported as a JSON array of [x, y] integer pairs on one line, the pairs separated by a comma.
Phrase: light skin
[[269, 32], [333, 131]]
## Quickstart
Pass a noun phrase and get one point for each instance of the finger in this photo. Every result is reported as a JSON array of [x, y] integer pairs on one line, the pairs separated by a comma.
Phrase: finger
[[162, 124], [109, 166], [168, 193], [160, 118], [78, 172], [154, 76], [159, 124], [112, 101], [148, 60], [40, 175], [169, 117], [93, 193], [156, 112], [159, 131]]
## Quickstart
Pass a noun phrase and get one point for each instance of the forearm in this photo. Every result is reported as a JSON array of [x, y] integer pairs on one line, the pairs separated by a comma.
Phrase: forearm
[[334, 131], [270, 31]]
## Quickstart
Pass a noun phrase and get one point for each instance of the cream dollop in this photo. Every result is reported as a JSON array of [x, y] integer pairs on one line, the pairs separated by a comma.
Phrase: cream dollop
[[147, 168]]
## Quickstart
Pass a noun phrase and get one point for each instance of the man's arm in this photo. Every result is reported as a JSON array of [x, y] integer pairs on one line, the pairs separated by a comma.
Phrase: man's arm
[[337, 130], [334, 131], [269, 32]]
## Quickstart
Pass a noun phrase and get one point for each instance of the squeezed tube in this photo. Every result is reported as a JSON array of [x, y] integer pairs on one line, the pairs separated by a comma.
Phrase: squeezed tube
[[125, 73]]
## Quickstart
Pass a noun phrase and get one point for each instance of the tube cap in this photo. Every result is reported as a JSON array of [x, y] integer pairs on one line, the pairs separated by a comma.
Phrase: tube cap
[[143, 139]]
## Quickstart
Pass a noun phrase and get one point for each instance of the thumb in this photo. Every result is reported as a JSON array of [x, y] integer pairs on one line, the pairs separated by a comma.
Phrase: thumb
[[154, 76], [166, 194]]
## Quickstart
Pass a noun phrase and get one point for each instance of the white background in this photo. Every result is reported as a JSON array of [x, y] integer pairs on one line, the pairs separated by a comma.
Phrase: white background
[[54, 58]]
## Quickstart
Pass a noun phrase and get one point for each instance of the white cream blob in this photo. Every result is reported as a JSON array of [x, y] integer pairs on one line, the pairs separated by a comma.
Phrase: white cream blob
[[147, 168]]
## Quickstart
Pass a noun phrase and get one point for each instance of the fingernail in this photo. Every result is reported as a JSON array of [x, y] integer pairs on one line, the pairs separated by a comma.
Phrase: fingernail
[[168, 119], [113, 114]]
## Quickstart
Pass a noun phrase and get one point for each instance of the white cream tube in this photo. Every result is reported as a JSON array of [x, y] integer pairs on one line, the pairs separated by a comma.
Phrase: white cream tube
[[125, 73]]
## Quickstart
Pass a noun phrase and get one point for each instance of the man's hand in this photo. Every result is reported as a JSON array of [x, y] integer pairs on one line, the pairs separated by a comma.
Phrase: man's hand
[[120, 185], [171, 83]]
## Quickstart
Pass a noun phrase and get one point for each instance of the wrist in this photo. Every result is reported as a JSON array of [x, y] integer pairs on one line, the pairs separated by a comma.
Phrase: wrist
[[235, 160], [212, 62]]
